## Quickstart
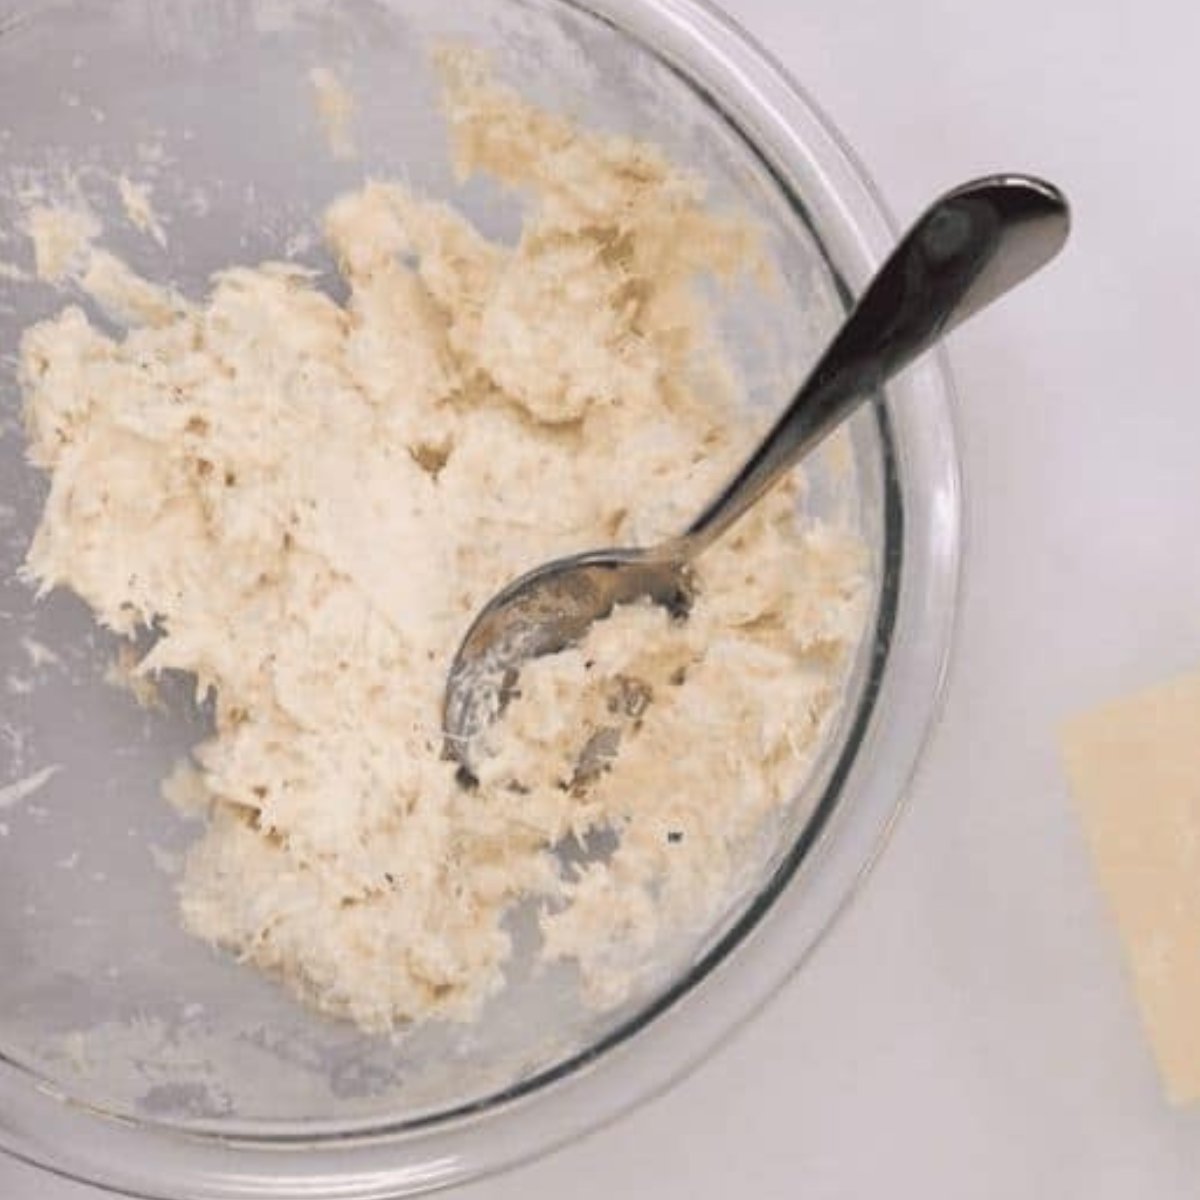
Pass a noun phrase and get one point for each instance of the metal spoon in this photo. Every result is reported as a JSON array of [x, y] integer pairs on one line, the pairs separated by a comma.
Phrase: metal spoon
[[968, 249]]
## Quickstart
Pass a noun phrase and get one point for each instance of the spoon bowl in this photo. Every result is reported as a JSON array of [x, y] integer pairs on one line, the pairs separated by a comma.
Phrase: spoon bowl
[[543, 612]]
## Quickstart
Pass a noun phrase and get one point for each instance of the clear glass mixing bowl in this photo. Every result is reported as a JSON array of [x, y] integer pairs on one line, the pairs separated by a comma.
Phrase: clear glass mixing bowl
[[133, 1056]]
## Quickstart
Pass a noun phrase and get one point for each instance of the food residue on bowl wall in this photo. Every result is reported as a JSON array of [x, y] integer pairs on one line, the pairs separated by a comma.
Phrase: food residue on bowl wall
[[12, 794], [335, 109]]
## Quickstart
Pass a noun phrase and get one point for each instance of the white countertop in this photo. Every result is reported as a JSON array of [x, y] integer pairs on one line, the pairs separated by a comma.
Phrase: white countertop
[[968, 1031]]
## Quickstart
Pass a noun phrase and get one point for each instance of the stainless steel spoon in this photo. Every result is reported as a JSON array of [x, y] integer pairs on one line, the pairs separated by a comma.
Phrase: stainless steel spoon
[[968, 249]]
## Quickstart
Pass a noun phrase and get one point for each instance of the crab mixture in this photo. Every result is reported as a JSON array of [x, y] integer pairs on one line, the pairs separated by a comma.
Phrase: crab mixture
[[308, 501]]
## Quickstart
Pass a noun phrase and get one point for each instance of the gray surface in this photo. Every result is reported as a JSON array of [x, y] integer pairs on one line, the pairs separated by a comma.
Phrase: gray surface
[[968, 1033]]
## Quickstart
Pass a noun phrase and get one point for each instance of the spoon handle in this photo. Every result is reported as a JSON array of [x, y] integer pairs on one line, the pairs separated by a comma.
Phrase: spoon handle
[[968, 249]]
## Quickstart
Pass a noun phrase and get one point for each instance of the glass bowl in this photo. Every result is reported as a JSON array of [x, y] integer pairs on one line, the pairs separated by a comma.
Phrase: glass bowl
[[132, 1056]]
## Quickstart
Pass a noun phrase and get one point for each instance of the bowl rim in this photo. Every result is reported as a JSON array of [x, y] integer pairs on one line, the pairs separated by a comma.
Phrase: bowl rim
[[756, 956]]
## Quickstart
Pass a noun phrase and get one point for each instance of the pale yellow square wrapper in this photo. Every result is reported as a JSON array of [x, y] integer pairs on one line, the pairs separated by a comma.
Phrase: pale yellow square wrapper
[[1134, 767]]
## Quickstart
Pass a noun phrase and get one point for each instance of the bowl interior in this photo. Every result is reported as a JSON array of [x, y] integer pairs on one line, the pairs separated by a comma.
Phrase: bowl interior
[[103, 998]]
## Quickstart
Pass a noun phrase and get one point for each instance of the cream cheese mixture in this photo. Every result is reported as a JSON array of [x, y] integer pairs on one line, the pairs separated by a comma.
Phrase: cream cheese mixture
[[308, 503]]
